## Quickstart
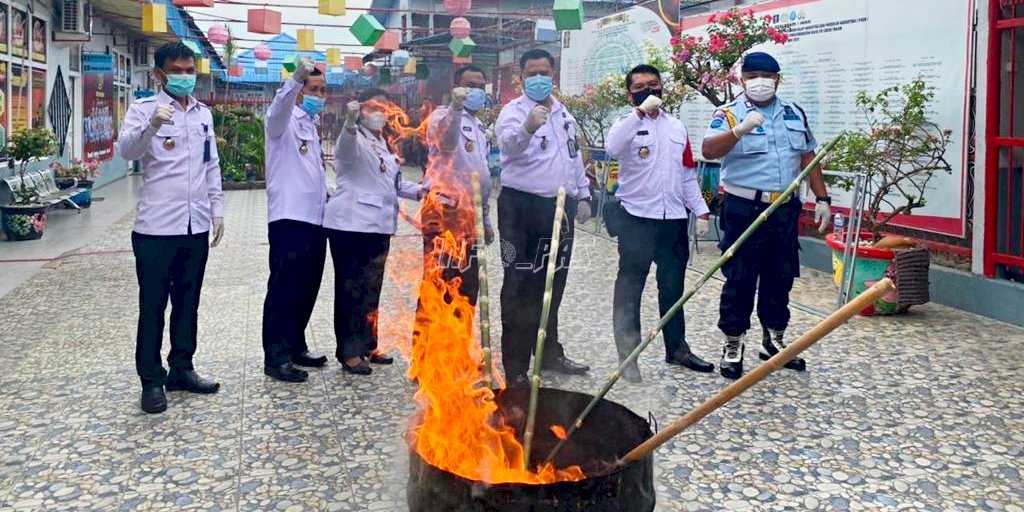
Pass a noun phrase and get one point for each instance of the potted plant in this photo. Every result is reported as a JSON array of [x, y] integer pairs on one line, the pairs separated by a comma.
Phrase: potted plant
[[900, 149], [79, 173], [25, 218]]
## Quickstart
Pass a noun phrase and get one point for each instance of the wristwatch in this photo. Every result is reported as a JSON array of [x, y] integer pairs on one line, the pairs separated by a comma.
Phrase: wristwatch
[[824, 199]]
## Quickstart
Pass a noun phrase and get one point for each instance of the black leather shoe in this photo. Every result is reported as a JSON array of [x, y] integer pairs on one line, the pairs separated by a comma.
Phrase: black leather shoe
[[285, 373], [309, 360], [689, 360], [153, 399], [363, 368], [190, 381], [731, 365], [564, 365], [381, 358], [772, 343]]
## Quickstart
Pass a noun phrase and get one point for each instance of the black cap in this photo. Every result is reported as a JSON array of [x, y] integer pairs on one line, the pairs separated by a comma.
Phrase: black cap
[[760, 61]]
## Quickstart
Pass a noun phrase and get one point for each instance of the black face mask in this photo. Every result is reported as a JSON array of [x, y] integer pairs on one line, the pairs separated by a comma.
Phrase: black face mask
[[639, 97]]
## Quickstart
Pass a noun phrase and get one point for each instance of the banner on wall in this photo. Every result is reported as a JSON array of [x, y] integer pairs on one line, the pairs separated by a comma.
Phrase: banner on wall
[[4, 47], [38, 39], [19, 33], [38, 98], [4, 104], [98, 105], [841, 47], [19, 78]]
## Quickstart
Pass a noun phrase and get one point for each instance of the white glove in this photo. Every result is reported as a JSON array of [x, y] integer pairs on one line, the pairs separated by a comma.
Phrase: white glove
[[352, 113], [702, 226], [753, 120], [651, 104], [459, 98], [218, 231], [537, 117], [822, 215], [161, 116], [583, 212], [303, 70]]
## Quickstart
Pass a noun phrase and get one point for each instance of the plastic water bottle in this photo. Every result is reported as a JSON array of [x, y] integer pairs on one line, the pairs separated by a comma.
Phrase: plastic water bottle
[[837, 227]]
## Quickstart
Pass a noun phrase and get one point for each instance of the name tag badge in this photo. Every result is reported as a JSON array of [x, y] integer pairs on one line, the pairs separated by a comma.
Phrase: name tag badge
[[574, 148], [644, 152], [543, 142], [168, 143]]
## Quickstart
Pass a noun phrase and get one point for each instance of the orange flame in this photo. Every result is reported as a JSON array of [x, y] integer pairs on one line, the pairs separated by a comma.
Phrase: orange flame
[[399, 125], [559, 432]]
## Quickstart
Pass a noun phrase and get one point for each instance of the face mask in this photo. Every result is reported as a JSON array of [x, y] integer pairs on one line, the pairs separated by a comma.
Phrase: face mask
[[760, 89], [375, 121], [475, 99], [313, 105], [180, 86], [639, 97], [538, 87]]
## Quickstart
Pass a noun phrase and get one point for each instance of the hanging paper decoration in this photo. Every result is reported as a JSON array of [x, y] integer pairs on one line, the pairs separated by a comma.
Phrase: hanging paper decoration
[[235, 70], [193, 3], [332, 7], [367, 30], [353, 63], [399, 58], [306, 39], [388, 42], [462, 47], [569, 14], [154, 18], [192, 45], [410, 67], [462, 60], [422, 72], [459, 27], [264, 21], [544, 31], [261, 52], [333, 56], [457, 7], [218, 34], [385, 76], [203, 67], [291, 62]]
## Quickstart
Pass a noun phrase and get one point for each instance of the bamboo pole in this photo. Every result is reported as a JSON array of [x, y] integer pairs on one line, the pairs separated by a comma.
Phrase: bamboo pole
[[483, 298], [542, 329], [830, 323], [678, 306]]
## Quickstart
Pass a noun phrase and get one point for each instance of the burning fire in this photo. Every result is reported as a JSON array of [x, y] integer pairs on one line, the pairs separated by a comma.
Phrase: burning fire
[[456, 428], [559, 432]]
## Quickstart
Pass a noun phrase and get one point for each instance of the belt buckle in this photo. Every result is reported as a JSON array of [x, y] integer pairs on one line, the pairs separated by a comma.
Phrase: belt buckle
[[773, 196]]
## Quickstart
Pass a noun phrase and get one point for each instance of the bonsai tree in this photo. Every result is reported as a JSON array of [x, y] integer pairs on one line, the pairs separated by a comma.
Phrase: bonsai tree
[[899, 148], [23, 147], [706, 64]]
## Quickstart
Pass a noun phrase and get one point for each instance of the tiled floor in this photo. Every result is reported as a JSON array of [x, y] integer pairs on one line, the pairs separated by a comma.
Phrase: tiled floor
[[920, 412]]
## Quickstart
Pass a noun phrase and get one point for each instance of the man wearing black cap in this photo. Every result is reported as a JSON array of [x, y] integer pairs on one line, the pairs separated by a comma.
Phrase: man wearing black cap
[[764, 142]]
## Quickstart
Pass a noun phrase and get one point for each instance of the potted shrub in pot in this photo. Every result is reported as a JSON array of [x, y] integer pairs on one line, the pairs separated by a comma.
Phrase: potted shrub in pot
[[900, 149], [79, 173], [25, 219]]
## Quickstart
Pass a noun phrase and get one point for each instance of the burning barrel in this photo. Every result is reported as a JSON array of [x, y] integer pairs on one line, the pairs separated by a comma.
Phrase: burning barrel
[[610, 432]]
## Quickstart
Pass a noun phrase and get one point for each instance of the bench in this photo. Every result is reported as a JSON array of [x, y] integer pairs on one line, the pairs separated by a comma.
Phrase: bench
[[46, 188]]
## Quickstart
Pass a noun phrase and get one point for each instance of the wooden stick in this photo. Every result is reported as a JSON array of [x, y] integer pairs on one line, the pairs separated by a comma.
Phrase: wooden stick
[[830, 323], [678, 306], [542, 329], [483, 297]]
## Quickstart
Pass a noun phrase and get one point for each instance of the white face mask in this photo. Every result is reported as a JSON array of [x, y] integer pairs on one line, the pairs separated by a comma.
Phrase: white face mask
[[375, 121], [760, 89]]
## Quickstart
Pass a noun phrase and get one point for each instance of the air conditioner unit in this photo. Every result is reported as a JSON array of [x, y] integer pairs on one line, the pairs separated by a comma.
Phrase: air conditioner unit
[[74, 22], [140, 55]]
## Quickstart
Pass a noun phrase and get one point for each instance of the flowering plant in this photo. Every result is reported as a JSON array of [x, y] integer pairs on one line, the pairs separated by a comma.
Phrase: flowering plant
[[78, 169], [706, 64]]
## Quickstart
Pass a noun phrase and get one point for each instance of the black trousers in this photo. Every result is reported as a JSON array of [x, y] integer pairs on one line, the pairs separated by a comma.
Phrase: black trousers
[[664, 242], [766, 264], [168, 267], [297, 253], [524, 223], [359, 260], [434, 224]]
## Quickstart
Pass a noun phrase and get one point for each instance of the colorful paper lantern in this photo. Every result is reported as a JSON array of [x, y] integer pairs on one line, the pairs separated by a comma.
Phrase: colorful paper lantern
[[399, 58], [291, 62], [568, 14], [264, 21], [353, 63], [333, 56], [332, 7], [154, 18], [388, 42], [459, 27], [218, 34], [367, 30], [410, 67], [194, 46], [235, 70], [462, 60], [462, 47], [262, 52], [457, 7], [422, 72], [306, 39], [544, 31], [193, 3], [203, 67]]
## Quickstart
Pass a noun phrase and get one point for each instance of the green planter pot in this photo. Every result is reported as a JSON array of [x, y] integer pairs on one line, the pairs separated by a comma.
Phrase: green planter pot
[[871, 266], [84, 198], [23, 222]]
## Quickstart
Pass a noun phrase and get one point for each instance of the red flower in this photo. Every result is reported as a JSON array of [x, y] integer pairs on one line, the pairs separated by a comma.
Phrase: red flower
[[768, 18], [674, 41], [712, 18], [738, 36]]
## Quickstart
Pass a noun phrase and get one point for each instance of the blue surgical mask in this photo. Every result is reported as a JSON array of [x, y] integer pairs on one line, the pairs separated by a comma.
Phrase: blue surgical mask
[[475, 99], [538, 87], [313, 105], [180, 86]]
